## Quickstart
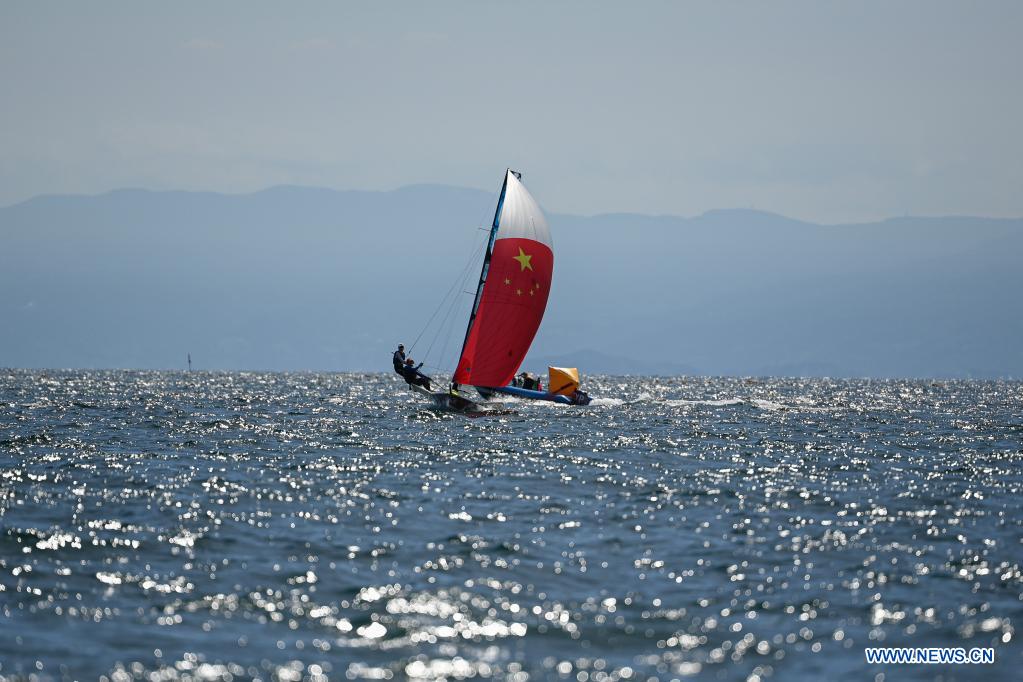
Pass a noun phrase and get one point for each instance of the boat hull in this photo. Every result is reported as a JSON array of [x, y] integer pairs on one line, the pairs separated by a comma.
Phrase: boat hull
[[448, 401], [535, 395]]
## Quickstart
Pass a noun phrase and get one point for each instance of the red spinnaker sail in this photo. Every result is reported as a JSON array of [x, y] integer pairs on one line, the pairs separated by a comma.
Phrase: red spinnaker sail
[[512, 306], [514, 295]]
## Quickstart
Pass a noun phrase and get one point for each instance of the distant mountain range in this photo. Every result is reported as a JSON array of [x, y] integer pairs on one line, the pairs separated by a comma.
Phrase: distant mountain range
[[295, 278]]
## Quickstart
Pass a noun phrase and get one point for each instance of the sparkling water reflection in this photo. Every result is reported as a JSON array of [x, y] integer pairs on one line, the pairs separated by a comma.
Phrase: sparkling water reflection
[[322, 526]]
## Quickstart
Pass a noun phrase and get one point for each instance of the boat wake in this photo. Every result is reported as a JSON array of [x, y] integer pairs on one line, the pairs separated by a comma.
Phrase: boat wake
[[645, 397], [474, 412], [730, 402], [610, 402], [799, 404]]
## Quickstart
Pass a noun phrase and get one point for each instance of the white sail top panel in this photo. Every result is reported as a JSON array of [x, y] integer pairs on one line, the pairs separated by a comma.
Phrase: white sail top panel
[[521, 216]]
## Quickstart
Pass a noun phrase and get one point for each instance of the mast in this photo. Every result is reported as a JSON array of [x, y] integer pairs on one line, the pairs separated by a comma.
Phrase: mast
[[486, 261]]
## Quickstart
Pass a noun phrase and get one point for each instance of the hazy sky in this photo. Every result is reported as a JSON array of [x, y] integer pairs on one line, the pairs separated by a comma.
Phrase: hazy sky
[[823, 111]]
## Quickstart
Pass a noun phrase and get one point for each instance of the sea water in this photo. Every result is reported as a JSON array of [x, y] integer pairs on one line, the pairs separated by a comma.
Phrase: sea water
[[161, 525]]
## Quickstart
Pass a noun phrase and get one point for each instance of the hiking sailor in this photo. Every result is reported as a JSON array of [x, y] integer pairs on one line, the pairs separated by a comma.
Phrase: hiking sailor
[[527, 380], [399, 359], [413, 377]]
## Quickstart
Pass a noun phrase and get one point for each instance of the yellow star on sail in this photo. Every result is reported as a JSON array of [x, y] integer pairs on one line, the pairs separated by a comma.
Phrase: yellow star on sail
[[524, 260]]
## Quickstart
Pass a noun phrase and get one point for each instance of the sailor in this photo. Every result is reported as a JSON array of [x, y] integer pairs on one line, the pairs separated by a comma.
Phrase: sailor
[[527, 380], [413, 377], [399, 359]]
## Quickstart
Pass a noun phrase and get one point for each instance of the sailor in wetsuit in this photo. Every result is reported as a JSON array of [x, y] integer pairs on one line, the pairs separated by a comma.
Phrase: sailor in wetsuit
[[527, 380], [413, 377], [399, 360]]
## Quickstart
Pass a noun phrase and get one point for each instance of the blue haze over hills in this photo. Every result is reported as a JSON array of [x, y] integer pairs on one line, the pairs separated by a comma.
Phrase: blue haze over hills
[[295, 278]]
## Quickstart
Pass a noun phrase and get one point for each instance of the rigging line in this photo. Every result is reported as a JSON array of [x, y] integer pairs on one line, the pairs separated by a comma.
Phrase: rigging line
[[444, 351], [486, 219], [445, 325], [458, 278], [467, 273], [430, 321], [447, 337]]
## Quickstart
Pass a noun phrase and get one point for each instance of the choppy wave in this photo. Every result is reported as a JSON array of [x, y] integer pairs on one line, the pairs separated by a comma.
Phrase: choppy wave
[[324, 526]]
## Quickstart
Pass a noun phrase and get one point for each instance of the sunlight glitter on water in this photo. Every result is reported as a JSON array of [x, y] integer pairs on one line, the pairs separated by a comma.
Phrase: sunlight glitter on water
[[219, 526]]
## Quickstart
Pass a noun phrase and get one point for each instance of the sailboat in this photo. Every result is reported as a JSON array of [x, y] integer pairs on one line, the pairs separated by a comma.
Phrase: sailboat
[[510, 301]]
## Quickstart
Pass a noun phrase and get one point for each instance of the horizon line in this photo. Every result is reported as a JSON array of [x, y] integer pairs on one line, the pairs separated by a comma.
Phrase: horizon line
[[747, 377]]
